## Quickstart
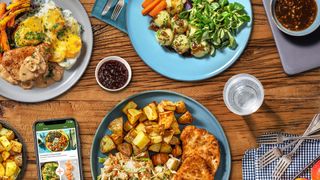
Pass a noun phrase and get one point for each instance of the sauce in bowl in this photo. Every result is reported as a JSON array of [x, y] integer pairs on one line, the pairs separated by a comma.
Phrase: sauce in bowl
[[113, 74], [296, 15]]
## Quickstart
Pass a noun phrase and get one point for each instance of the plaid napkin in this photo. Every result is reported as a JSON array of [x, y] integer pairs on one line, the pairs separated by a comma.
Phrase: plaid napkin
[[120, 23], [307, 152]]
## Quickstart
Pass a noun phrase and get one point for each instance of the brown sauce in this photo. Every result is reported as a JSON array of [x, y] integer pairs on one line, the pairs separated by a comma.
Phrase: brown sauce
[[113, 74], [296, 15]]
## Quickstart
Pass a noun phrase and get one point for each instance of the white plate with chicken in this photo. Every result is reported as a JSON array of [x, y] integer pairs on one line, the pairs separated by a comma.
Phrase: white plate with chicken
[[45, 48]]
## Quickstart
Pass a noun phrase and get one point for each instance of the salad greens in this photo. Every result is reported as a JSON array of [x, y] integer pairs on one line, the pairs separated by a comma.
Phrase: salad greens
[[216, 22]]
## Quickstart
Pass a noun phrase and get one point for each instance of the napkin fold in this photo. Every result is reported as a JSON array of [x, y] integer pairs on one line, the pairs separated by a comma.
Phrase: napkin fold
[[120, 23], [307, 152]]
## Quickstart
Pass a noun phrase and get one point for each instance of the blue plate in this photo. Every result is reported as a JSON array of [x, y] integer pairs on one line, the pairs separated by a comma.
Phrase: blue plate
[[203, 119], [172, 65]]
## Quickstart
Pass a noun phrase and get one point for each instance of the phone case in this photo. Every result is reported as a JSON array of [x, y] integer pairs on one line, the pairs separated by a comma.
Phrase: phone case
[[78, 143]]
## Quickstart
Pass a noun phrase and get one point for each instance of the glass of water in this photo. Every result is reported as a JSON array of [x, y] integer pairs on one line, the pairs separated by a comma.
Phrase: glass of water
[[243, 94]]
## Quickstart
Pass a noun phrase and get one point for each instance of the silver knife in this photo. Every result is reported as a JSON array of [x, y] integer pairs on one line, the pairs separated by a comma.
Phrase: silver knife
[[305, 168], [107, 7]]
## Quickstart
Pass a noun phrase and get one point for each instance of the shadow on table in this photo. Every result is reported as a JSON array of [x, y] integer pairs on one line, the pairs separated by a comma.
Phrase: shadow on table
[[253, 123]]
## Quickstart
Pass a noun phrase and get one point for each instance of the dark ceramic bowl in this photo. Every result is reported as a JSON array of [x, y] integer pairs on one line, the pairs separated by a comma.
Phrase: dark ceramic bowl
[[24, 148]]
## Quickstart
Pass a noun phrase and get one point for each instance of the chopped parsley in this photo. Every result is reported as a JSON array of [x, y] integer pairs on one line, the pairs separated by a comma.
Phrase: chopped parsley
[[35, 36]]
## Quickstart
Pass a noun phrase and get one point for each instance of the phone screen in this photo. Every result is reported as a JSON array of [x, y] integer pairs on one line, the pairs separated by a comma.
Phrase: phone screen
[[57, 150]]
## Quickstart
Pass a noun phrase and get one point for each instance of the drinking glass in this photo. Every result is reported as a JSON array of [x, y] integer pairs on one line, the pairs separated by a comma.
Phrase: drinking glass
[[243, 94]]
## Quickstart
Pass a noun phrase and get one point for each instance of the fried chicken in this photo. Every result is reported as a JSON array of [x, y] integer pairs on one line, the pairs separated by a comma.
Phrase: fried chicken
[[194, 168], [200, 144]]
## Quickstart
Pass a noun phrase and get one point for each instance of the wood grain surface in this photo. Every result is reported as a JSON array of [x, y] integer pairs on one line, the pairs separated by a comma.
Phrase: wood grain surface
[[290, 102]]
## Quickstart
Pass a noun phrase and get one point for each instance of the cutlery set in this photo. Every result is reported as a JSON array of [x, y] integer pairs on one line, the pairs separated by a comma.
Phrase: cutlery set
[[117, 10], [276, 153]]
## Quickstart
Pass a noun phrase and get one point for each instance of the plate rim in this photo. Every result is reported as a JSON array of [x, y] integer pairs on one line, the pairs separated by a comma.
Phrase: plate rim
[[227, 150], [206, 76], [72, 84]]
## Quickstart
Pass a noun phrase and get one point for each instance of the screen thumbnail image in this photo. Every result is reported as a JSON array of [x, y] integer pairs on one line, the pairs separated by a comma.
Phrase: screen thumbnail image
[[56, 140], [60, 170]]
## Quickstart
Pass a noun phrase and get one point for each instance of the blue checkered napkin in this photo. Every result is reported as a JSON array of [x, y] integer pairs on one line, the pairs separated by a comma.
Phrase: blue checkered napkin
[[308, 151], [120, 23]]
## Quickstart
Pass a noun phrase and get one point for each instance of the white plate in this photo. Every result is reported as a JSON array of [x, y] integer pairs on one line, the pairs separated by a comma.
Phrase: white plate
[[71, 76]]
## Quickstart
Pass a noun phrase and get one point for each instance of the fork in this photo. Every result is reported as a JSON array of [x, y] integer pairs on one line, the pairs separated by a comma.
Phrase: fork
[[107, 7], [277, 138], [117, 10], [286, 160], [277, 152]]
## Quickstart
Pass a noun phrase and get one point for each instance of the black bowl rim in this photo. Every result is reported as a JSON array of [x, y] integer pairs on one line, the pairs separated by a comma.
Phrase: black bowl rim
[[24, 147]]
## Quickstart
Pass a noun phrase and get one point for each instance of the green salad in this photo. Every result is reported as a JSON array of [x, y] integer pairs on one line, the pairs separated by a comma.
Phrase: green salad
[[201, 27]]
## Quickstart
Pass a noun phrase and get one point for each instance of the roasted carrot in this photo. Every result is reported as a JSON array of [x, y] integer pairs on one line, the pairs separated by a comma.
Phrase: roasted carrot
[[4, 40], [2, 9], [161, 6], [146, 3], [11, 22], [149, 8]]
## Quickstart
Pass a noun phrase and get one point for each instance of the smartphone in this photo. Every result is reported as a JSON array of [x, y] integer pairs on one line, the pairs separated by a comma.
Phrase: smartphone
[[57, 147]]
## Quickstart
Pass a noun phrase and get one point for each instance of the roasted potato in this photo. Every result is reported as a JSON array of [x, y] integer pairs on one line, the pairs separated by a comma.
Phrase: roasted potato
[[177, 151], [18, 159], [166, 118], [11, 168], [155, 147], [141, 127], [168, 134], [116, 126], [106, 144], [154, 129], [159, 159], [2, 148], [143, 117], [16, 146], [165, 148], [155, 139], [130, 105], [173, 163], [128, 126], [5, 155], [151, 111], [175, 126], [2, 170], [133, 115], [9, 134], [125, 148], [174, 140], [117, 138], [141, 140], [168, 105], [180, 107], [137, 150], [5, 143], [186, 118], [131, 135]]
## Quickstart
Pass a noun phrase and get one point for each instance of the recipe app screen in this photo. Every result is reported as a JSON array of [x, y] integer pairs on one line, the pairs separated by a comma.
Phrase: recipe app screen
[[58, 151]]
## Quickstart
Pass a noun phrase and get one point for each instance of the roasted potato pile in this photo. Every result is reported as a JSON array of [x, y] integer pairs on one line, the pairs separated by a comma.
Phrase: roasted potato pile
[[11, 155], [154, 127]]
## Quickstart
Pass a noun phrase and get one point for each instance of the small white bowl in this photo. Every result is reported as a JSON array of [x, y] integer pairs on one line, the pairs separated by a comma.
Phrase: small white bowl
[[115, 58]]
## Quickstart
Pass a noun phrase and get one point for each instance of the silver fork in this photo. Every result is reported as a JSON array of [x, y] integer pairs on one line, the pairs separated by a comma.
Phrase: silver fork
[[107, 7], [277, 152], [278, 138], [286, 160], [117, 10]]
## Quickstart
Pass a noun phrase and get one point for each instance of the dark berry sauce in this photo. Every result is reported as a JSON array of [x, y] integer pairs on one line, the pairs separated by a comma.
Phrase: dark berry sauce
[[113, 74]]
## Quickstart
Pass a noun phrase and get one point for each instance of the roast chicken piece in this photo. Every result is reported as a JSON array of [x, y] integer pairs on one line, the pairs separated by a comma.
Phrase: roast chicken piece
[[27, 63]]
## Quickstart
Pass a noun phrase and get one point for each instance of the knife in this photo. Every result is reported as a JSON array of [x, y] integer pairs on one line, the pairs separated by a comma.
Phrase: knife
[[305, 168], [107, 7]]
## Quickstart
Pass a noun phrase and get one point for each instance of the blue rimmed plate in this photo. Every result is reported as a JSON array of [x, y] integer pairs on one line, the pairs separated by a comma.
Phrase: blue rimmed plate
[[203, 119], [171, 64]]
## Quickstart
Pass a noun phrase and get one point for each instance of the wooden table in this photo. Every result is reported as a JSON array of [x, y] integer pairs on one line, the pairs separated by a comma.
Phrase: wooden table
[[290, 102]]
